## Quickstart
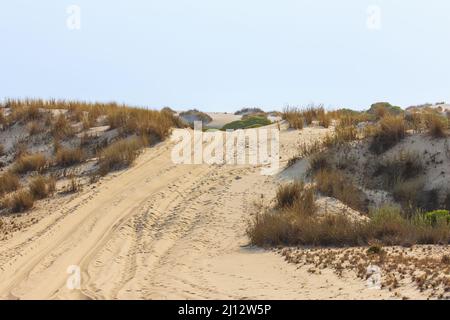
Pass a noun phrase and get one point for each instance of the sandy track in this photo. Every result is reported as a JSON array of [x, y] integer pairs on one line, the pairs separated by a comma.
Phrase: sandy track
[[158, 231]]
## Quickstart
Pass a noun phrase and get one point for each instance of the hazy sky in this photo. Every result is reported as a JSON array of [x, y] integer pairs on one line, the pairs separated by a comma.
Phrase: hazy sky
[[226, 54]]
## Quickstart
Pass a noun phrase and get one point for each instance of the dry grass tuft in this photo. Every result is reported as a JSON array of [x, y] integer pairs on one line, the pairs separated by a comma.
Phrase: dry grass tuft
[[30, 162], [66, 157], [3, 120], [387, 226], [41, 187], [62, 128], [341, 136], [333, 183], [390, 131], [319, 161], [324, 118], [74, 185], [25, 113], [8, 182], [129, 120], [295, 196], [120, 154], [403, 166], [34, 127], [437, 126], [294, 118], [19, 201]]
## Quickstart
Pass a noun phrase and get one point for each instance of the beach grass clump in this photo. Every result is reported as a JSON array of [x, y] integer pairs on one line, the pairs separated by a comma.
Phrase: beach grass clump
[[30, 162], [390, 131], [119, 154], [66, 157], [19, 201], [9, 182], [41, 187]]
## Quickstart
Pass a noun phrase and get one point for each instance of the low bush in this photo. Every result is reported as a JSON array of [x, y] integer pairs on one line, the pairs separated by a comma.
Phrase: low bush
[[169, 110], [195, 115], [382, 109], [245, 111], [438, 216], [247, 123]]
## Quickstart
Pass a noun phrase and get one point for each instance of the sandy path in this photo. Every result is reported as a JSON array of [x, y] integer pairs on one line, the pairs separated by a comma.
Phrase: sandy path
[[160, 230]]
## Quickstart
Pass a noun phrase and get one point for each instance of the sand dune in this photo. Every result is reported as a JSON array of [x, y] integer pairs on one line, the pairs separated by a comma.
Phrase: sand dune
[[164, 231]]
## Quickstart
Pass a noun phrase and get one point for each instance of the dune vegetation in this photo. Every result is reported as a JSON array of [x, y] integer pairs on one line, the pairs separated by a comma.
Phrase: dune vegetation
[[247, 122], [367, 153], [62, 141]]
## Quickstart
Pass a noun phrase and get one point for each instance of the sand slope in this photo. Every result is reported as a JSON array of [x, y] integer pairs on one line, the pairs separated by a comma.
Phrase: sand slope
[[160, 230]]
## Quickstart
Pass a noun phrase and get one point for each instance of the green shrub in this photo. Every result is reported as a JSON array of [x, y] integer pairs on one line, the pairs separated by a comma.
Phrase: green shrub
[[437, 216], [245, 111], [381, 109], [195, 115], [247, 123]]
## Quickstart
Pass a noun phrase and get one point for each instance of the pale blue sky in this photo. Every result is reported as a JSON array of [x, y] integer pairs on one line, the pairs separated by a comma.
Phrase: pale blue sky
[[227, 54]]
